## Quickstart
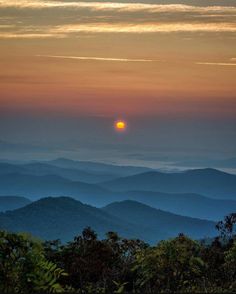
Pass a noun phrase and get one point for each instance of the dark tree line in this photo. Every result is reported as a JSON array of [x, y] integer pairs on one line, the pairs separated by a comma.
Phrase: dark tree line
[[116, 265]]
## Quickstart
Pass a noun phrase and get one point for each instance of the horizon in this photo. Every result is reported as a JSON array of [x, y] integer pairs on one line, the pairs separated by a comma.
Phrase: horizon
[[161, 166]]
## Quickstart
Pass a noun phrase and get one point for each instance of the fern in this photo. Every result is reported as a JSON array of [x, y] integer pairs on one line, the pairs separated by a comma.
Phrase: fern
[[46, 277]]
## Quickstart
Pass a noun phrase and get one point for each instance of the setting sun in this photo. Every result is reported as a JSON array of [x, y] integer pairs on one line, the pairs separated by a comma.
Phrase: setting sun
[[120, 125]]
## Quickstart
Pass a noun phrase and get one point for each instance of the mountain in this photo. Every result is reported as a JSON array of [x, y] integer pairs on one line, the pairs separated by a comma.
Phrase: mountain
[[191, 205], [88, 172], [187, 204], [183, 203], [7, 168], [207, 182], [34, 187], [214, 163], [43, 169], [98, 167], [12, 202], [63, 218], [74, 174], [155, 220]]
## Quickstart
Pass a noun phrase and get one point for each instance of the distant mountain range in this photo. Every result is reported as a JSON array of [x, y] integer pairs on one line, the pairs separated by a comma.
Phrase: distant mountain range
[[179, 193], [12, 202], [156, 220], [220, 163], [188, 204], [35, 187], [88, 172], [43, 169], [191, 205], [208, 182], [63, 217], [98, 167]]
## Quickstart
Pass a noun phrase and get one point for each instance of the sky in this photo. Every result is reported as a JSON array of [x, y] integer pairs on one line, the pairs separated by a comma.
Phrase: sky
[[69, 69]]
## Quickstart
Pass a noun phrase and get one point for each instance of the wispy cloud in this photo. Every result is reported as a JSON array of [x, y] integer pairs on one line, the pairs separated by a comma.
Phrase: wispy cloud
[[144, 28], [71, 30], [9, 35], [216, 63], [131, 7], [98, 58], [111, 17]]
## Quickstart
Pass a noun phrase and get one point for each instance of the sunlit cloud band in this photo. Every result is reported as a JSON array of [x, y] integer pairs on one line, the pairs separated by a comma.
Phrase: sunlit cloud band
[[172, 18], [97, 58], [131, 7], [145, 28], [64, 31], [216, 63]]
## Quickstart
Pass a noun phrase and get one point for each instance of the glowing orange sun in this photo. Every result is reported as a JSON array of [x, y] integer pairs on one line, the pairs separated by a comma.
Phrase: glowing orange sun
[[120, 125]]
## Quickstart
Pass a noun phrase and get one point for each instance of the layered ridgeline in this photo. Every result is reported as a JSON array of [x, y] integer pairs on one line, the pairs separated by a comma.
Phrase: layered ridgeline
[[188, 204], [208, 182], [85, 171], [98, 167], [155, 220], [35, 187], [63, 218], [192, 205], [202, 193]]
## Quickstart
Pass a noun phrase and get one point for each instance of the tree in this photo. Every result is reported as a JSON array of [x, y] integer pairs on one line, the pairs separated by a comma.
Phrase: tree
[[171, 266], [117, 265], [230, 267], [23, 266], [227, 227]]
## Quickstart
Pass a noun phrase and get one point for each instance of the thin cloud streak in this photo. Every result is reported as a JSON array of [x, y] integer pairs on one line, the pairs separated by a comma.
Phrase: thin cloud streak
[[98, 58], [29, 36], [65, 31], [144, 28], [71, 30], [93, 58], [216, 63]]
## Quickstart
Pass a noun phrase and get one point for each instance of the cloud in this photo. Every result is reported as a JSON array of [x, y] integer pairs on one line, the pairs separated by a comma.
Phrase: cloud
[[216, 63], [30, 18], [98, 58], [29, 36], [104, 6], [64, 31], [3, 26], [144, 28]]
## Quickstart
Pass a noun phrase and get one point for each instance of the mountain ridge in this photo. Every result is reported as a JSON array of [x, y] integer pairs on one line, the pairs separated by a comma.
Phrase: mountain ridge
[[64, 217], [207, 182], [142, 214]]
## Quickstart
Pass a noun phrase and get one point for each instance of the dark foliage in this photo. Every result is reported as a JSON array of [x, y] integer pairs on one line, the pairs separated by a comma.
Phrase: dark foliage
[[116, 265]]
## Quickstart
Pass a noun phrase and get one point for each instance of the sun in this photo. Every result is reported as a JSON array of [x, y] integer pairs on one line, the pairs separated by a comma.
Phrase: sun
[[120, 125]]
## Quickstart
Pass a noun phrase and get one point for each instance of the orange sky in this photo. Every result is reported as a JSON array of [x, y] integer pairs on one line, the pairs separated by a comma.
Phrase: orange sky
[[117, 59]]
